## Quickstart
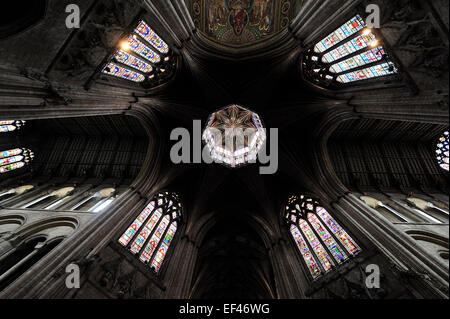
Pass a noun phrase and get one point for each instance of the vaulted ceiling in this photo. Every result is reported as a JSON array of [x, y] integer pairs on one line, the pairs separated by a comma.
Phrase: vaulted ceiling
[[242, 22], [239, 52]]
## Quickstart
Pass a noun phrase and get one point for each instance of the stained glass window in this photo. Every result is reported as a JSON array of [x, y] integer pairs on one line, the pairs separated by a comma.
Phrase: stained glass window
[[349, 28], [338, 231], [131, 60], [14, 159], [322, 242], [442, 152], [340, 58], [352, 46], [368, 73], [151, 37], [358, 60], [143, 50], [149, 237], [10, 126], [141, 54], [120, 72], [306, 253]]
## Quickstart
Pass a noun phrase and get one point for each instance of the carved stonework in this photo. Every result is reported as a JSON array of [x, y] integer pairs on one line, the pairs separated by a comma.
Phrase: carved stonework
[[86, 51], [413, 33]]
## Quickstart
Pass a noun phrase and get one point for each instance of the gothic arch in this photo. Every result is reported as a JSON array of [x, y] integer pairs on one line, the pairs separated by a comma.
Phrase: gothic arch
[[10, 223], [429, 237], [247, 232], [62, 226]]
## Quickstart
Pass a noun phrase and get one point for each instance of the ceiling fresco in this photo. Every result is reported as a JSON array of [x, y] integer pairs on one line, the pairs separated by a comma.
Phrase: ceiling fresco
[[237, 22]]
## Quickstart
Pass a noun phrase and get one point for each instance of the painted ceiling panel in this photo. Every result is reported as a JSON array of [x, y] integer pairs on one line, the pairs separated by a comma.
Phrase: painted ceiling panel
[[241, 22]]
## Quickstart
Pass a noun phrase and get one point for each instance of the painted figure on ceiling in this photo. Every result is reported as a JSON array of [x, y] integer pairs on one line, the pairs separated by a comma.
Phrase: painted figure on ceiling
[[239, 14]]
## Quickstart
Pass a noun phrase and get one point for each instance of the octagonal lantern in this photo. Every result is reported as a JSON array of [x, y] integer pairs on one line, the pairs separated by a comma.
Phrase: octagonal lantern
[[234, 136]]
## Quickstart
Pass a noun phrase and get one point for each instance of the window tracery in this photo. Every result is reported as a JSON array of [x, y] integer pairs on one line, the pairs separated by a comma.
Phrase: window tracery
[[14, 159], [142, 57], [350, 54], [321, 240], [151, 234], [10, 126]]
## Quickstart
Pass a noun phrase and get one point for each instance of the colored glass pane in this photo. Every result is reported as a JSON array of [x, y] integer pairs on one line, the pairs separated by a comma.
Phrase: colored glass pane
[[156, 236], [368, 73], [337, 230], [131, 60], [134, 228], [143, 50], [306, 253], [349, 28], [162, 251], [442, 151], [120, 72], [151, 37], [146, 231], [9, 153], [11, 167], [154, 241], [10, 160], [7, 128], [10, 126], [326, 237], [324, 258], [349, 47], [358, 60]]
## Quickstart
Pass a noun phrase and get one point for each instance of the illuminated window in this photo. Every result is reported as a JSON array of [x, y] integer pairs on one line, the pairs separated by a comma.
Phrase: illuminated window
[[442, 152], [10, 126], [15, 159], [149, 237], [351, 53], [349, 28], [142, 55], [322, 242]]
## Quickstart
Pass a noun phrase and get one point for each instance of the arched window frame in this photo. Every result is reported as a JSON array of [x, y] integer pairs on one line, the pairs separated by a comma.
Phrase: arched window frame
[[319, 72], [14, 159], [315, 269], [128, 238], [149, 66]]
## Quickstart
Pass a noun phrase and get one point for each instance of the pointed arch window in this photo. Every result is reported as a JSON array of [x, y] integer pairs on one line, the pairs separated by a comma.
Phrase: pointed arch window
[[143, 55], [442, 151], [149, 237], [15, 159], [10, 126], [350, 54], [321, 240]]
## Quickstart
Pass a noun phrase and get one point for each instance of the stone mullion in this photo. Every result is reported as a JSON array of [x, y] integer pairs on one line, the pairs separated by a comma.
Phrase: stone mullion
[[164, 14], [183, 11], [97, 232], [316, 23], [290, 281], [47, 278], [181, 267], [426, 108], [400, 248]]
